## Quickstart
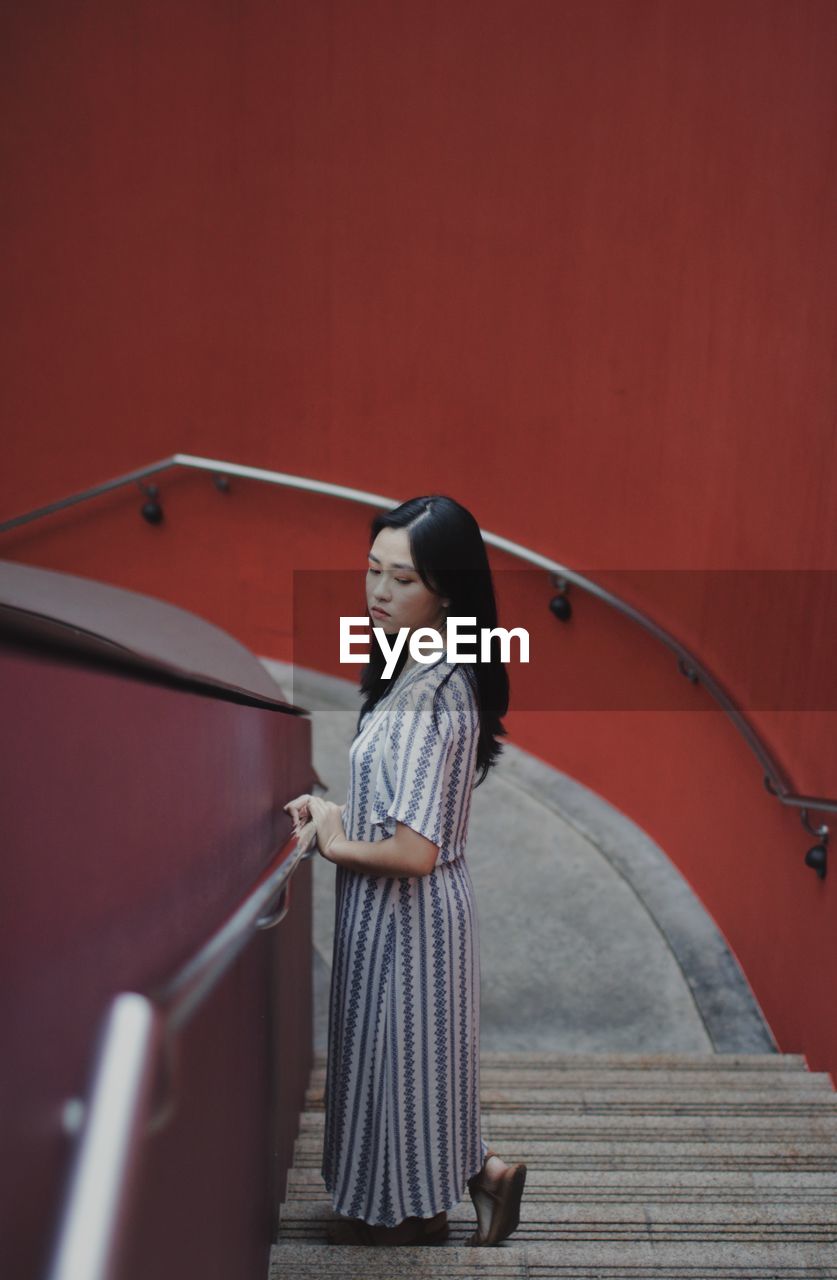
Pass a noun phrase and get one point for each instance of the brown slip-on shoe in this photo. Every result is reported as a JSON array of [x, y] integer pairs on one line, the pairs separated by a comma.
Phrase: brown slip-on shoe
[[497, 1203]]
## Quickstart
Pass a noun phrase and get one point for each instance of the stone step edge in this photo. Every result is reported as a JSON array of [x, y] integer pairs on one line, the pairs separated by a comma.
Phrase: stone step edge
[[696, 1162], [599, 1129], [723, 1105], [525, 1128], [567, 1260], [643, 1186], [646, 1213], [609, 1148], [760, 1082], [768, 1062]]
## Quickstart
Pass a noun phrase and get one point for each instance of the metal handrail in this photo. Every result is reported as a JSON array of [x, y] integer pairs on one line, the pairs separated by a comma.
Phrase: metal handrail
[[136, 1038], [776, 780]]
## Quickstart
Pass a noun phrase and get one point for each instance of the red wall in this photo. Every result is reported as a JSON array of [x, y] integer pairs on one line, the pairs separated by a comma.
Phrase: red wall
[[572, 262]]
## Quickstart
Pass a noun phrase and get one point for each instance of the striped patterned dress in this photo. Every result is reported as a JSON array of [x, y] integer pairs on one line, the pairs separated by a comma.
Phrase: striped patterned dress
[[402, 1119]]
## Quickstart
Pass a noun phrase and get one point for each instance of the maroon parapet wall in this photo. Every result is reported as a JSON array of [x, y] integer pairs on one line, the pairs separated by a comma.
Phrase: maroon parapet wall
[[136, 817]]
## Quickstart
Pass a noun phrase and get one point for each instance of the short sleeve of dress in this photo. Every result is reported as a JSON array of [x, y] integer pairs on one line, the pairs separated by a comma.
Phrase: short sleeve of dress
[[411, 783]]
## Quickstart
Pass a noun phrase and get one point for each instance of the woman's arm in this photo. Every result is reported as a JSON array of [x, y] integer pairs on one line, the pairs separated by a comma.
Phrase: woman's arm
[[404, 854]]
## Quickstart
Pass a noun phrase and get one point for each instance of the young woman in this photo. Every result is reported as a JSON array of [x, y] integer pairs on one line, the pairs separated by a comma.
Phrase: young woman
[[402, 1118]]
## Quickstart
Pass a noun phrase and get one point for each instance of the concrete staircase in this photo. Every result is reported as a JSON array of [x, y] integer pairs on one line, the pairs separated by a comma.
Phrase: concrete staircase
[[659, 1165]]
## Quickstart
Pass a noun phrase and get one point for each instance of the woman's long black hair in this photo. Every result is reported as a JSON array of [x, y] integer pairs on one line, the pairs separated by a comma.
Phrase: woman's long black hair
[[451, 560]]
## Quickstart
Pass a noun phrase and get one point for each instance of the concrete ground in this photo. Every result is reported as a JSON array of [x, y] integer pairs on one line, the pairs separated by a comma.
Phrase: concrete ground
[[590, 939]]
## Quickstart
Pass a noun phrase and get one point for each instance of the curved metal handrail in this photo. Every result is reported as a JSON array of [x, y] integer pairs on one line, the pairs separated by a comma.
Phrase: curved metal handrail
[[137, 1036], [775, 779]]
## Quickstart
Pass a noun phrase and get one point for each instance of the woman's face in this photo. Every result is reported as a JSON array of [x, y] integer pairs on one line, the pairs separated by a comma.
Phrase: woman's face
[[394, 586]]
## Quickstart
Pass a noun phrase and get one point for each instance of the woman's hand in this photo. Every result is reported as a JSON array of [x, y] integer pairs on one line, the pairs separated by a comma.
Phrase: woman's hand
[[307, 837], [328, 821], [298, 809]]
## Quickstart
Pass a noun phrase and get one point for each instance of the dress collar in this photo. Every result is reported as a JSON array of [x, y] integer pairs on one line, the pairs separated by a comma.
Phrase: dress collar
[[401, 681]]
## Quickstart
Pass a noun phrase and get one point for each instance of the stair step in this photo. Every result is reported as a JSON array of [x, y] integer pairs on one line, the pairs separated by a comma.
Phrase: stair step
[[649, 1081], [670, 1156], [778, 1062], [604, 1186], [784, 1220], [706, 1166], [569, 1260], [524, 1104], [504, 1127]]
